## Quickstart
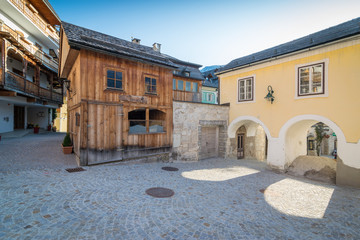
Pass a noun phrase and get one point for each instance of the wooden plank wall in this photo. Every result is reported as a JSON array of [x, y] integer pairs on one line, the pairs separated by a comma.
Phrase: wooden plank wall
[[104, 118], [182, 95]]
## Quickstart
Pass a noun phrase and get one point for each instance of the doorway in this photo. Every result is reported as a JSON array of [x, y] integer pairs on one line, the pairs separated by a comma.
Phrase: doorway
[[240, 146], [19, 117]]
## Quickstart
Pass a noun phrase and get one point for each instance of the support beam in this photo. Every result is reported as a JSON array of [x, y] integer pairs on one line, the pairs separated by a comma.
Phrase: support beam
[[30, 100], [8, 93]]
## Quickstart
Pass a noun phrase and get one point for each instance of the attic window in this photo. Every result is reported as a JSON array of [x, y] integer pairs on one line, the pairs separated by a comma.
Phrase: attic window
[[187, 74], [176, 72]]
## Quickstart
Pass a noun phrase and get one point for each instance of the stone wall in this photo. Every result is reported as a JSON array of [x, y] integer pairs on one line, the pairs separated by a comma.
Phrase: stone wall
[[188, 119]]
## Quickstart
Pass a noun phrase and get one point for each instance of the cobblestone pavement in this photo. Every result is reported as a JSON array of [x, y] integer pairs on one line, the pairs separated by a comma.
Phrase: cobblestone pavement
[[214, 199]]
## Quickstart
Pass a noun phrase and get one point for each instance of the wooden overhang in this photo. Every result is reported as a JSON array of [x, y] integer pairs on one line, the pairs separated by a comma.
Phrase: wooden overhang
[[47, 11]]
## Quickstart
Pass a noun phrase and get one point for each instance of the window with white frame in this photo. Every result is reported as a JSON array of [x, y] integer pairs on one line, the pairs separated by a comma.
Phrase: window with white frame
[[311, 79], [246, 89]]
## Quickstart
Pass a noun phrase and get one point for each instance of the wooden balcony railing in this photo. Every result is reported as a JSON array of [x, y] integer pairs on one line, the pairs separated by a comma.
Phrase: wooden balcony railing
[[186, 96], [40, 55], [36, 19], [19, 83]]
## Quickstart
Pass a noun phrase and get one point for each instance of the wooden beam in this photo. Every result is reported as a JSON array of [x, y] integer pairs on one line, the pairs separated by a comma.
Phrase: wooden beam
[[8, 94], [30, 100]]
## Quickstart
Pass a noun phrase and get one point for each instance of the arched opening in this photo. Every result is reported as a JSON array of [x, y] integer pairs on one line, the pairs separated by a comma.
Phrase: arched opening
[[30, 72], [311, 149], [14, 62], [248, 139]]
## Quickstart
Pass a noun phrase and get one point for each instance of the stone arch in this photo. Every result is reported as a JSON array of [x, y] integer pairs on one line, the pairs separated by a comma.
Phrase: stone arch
[[248, 121], [294, 132], [256, 137]]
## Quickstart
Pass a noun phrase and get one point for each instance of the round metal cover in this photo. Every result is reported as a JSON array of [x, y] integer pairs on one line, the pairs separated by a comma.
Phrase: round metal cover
[[172, 169], [159, 192]]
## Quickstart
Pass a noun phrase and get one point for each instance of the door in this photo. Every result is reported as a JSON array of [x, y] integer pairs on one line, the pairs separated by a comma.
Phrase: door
[[19, 117], [209, 142], [240, 146]]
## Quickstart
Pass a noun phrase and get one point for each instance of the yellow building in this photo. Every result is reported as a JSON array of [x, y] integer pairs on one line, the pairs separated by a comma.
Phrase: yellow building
[[314, 79]]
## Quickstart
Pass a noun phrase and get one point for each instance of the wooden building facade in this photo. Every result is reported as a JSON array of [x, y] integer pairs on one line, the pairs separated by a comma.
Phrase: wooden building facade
[[119, 99]]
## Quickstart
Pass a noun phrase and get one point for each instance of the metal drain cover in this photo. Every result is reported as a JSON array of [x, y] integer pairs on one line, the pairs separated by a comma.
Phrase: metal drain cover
[[159, 192], [171, 169], [78, 169]]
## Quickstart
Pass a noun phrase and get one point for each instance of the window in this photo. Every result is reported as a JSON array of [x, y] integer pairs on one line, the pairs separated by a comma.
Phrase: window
[[176, 72], [142, 123], [209, 97], [246, 89], [311, 79], [150, 85], [187, 74], [188, 86], [180, 85], [174, 84], [195, 87], [114, 79]]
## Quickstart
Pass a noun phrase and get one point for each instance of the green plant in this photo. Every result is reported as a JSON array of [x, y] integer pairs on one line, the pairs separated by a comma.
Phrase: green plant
[[67, 140]]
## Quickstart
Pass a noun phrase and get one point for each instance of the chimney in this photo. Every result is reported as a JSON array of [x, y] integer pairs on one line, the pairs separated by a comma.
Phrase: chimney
[[135, 40], [156, 47]]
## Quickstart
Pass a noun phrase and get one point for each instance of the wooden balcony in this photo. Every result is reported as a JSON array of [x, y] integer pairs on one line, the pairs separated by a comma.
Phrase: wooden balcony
[[28, 10], [186, 96], [20, 85], [32, 51]]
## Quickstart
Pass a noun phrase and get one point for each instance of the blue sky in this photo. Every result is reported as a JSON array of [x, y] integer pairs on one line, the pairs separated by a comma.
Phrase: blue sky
[[208, 32]]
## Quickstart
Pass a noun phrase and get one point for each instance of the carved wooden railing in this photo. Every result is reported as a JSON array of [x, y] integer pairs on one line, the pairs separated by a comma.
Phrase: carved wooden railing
[[35, 18], [19, 83], [40, 55]]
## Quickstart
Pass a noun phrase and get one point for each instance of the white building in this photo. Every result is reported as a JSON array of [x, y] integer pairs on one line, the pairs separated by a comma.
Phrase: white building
[[29, 85]]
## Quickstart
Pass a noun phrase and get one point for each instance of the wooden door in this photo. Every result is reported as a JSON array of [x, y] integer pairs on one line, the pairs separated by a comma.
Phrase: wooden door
[[19, 117], [240, 146], [209, 142]]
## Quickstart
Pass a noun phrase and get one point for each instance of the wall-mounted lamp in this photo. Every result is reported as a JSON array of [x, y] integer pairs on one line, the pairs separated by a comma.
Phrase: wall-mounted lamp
[[66, 83], [270, 96]]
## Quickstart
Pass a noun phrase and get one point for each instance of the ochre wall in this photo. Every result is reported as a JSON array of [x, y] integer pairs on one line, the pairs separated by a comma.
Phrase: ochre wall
[[341, 106]]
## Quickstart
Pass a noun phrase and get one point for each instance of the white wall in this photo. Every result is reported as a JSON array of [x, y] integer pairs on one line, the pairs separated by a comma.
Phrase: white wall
[[6, 111], [38, 115], [43, 80]]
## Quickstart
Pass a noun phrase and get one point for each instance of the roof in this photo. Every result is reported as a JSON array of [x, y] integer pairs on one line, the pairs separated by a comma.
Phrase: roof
[[331, 34], [85, 38], [183, 67], [210, 83]]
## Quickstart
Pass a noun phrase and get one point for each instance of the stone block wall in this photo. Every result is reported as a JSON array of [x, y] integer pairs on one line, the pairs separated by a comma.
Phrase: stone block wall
[[188, 119]]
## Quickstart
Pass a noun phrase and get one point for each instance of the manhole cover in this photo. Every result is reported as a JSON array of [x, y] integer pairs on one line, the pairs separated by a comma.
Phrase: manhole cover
[[78, 169], [159, 192], [171, 169]]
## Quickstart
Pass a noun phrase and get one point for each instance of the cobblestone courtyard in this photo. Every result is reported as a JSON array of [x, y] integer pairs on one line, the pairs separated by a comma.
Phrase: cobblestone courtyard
[[214, 199]]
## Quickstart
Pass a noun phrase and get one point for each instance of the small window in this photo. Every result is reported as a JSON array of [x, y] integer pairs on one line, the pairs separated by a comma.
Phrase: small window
[[188, 86], [187, 74], [210, 97], [174, 84], [176, 72], [180, 85], [246, 91], [195, 87], [311, 80], [114, 79], [150, 85]]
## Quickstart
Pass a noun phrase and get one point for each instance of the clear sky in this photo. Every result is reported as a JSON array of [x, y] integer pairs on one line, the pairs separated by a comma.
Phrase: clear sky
[[208, 32]]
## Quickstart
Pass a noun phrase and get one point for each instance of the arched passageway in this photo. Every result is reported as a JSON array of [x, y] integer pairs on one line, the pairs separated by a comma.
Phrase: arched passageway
[[248, 139]]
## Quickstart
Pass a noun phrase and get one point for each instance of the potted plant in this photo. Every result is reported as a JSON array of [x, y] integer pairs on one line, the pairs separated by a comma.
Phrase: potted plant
[[36, 129], [67, 145], [49, 127]]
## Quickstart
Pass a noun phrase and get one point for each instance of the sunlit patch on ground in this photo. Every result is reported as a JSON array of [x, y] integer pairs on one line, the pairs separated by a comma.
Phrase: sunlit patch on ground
[[219, 174], [299, 199]]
